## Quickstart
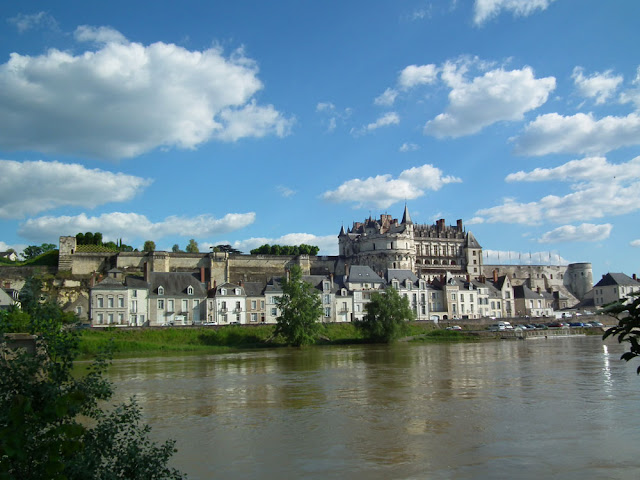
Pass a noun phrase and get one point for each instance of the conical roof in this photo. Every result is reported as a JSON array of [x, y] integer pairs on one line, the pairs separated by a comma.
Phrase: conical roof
[[406, 218], [471, 242]]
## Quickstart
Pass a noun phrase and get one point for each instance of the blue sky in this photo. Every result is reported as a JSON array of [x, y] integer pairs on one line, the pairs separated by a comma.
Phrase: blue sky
[[257, 122]]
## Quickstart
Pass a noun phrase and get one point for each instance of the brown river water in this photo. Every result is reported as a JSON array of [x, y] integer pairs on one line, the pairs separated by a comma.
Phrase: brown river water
[[564, 408]]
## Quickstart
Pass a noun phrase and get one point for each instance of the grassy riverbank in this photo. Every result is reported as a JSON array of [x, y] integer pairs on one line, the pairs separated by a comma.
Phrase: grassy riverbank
[[161, 340]]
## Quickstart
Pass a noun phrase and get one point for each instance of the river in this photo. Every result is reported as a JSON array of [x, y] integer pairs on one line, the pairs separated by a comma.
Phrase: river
[[547, 408]]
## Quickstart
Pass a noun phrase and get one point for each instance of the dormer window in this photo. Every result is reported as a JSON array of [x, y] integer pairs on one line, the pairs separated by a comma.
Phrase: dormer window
[[238, 291], [189, 290], [223, 291], [160, 290], [327, 285]]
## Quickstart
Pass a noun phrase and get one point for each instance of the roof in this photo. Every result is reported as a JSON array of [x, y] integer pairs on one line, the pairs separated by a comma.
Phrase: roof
[[401, 275], [109, 283], [254, 289], [616, 279], [471, 242], [176, 283], [363, 274], [522, 291], [230, 290]]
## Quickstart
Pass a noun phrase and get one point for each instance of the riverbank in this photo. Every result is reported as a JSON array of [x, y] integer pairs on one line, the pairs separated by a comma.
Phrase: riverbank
[[163, 340]]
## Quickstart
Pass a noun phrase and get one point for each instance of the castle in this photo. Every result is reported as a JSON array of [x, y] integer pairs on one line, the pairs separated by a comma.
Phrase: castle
[[431, 252]]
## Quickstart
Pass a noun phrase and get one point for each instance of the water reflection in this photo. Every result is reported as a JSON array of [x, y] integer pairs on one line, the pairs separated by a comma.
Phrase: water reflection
[[526, 409]]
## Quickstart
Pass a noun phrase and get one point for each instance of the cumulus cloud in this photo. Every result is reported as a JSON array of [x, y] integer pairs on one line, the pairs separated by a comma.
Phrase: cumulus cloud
[[386, 98], [327, 244], [587, 232], [579, 133], [132, 226], [25, 22], [390, 118], [415, 75], [383, 190], [635, 243], [497, 95], [124, 99], [602, 189], [600, 86], [28, 188], [408, 147], [485, 10], [286, 192]]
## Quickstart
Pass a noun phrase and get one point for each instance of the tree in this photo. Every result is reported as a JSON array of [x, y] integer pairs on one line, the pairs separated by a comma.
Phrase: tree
[[300, 308], [302, 249], [627, 312], [226, 248], [32, 251], [192, 247], [149, 246], [51, 424], [175, 248], [386, 316]]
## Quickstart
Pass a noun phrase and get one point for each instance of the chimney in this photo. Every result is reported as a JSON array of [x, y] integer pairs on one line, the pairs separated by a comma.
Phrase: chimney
[[634, 277], [146, 271], [459, 224], [331, 278], [538, 290], [215, 284], [495, 275], [346, 269], [468, 277], [201, 274]]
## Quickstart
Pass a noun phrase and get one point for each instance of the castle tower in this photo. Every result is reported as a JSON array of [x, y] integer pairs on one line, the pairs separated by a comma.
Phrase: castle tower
[[472, 253], [579, 279], [67, 248]]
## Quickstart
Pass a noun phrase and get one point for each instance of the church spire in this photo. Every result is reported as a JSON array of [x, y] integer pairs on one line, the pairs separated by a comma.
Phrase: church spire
[[406, 218]]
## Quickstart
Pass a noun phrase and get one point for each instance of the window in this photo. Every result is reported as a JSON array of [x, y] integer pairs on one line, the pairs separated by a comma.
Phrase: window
[[453, 296], [110, 302], [110, 318], [253, 304], [254, 317], [134, 293], [120, 318], [261, 304], [134, 306], [189, 290], [238, 307], [462, 297], [274, 311], [327, 312], [160, 304], [78, 310], [327, 299], [100, 302], [344, 306], [238, 292], [120, 302], [185, 305], [327, 285], [223, 305], [100, 319], [223, 291], [160, 290], [170, 305]]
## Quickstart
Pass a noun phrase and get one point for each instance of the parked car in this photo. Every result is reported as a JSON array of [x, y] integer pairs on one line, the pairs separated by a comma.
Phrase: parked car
[[454, 327], [576, 324]]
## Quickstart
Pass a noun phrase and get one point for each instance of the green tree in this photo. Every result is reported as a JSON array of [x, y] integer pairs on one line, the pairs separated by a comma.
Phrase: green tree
[[149, 246], [627, 312], [175, 248], [32, 251], [45, 403], [300, 308], [386, 316], [192, 247], [89, 238], [226, 248], [47, 247]]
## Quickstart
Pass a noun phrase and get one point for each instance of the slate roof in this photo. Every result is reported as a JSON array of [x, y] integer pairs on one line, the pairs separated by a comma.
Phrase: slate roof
[[136, 282], [109, 283], [522, 291], [471, 242], [176, 283], [611, 279], [254, 289], [363, 274], [402, 275]]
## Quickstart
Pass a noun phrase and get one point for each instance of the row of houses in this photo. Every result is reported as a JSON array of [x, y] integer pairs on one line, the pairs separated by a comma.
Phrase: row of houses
[[173, 299]]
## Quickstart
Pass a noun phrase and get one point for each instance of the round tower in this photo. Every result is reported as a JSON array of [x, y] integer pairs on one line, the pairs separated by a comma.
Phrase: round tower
[[579, 279]]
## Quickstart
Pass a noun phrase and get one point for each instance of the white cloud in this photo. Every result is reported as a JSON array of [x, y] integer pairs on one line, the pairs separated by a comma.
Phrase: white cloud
[[383, 190], [159, 95], [592, 169], [415, 75], [601, 190], [600, 86], [100, 35], [580, 133], [328, 244], [133, 226], [286, 192], [633, 94], [474, 221], [511, 257], [333, 115], [635, 243], [485, 10], [28, 188], [25, 22], [409, 147], [587, 232], [386, 98], [325, 106], [498, 95], [390, 118]]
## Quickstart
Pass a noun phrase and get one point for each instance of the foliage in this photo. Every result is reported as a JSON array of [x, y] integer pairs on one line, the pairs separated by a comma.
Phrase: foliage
[[302, 249], [149, 246], [627, 311], [192, 247], [51, 423], [33, 251], [226, 248], [300, 308], [176, 248], [386, 316]]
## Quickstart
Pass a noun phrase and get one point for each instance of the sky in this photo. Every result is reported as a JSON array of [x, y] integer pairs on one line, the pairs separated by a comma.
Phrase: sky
[[255, 122]]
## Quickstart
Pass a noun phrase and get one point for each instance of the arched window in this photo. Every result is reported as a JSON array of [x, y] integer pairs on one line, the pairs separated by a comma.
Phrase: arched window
[[189, 290], [160, 290]]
